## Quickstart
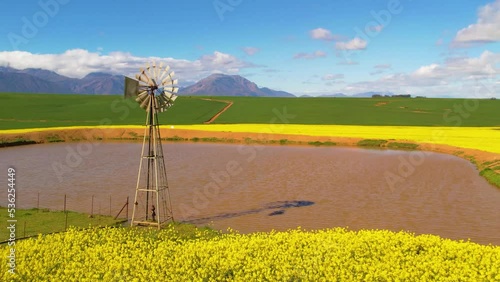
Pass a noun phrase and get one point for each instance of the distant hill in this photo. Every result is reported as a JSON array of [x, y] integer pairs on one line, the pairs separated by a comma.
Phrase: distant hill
[[230, 85], [45, 81], [21, 82], [334, 95]]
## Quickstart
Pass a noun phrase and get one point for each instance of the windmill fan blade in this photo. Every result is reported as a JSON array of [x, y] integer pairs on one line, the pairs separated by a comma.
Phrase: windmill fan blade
[[163, 73], [161, 99], [142, 95], [171, 97], [155, 70], [172, 90], [162, 102], [167, 80], [168, 94], [145, 103], [144, 78], [148, 74]]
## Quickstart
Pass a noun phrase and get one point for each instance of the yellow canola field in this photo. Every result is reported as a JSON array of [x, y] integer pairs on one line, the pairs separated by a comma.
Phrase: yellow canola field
[[481, 138], [130, 254]]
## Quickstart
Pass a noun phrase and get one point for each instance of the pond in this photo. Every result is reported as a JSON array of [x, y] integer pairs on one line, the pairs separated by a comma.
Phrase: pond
[[260, 188]]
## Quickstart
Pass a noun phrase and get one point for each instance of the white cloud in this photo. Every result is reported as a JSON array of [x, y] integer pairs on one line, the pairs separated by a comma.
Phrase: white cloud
[[250, 51], [486, 29], [79, 62], [458, 77], [354, 44], [322, 34], [429, 71], [376, 28], [330, 76], [484, 66], [309, 56]]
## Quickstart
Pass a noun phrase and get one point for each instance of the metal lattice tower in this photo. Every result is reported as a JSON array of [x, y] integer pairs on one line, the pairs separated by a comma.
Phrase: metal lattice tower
[[154, 90]]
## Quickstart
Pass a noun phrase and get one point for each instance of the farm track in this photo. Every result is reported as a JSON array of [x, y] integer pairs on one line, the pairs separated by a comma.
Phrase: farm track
[[212, 119]]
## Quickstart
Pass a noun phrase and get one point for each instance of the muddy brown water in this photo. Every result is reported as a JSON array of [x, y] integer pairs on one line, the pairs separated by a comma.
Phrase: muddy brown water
[[260, 188]]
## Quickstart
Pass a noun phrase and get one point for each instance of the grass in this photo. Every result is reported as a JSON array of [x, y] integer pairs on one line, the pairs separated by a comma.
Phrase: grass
[[491, 176], [175, 138], [359, 111], [54, 138], [372, 143], [55, 110], [32, 222], [16, 142], [319, 143], [402, 145]]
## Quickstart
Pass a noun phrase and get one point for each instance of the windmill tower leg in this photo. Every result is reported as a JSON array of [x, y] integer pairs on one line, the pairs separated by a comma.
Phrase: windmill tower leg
[[152, 205]]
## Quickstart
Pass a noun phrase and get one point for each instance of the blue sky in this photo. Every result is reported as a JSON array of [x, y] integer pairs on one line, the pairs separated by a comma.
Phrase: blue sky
[[430, 48]]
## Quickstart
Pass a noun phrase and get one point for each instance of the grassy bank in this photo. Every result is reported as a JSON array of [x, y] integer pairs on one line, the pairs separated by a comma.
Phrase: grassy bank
[[31, 222]]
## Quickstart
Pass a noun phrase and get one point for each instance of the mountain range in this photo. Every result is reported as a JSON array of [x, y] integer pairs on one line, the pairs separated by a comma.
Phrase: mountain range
[[45, 81], [230, 85]]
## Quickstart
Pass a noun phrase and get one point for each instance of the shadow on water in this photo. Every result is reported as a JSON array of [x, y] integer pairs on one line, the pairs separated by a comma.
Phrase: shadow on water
[[278, 207]]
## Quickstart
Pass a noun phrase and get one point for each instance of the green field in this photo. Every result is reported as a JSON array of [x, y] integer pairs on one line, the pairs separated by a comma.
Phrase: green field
[[51, 110], [31, 222], [364, 111]]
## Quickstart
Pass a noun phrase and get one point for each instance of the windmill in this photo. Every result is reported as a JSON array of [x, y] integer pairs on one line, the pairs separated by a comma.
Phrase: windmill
[[154, 89]]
